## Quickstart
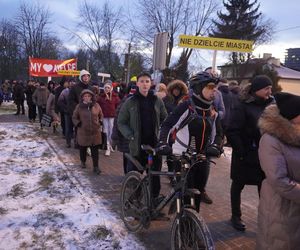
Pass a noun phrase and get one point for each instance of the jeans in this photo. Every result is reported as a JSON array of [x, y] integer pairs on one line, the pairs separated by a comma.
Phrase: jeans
[[108, 124], [68, 128]]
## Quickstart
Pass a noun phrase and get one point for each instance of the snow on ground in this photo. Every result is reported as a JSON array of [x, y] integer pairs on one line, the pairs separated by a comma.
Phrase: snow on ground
[[42, 207]]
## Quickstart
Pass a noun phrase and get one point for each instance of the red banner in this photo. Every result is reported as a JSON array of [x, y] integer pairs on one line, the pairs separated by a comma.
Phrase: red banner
[[46, 67]]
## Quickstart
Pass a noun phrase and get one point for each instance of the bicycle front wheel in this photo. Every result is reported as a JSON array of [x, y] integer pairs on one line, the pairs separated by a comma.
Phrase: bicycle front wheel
[[134, 201], [189, 231]]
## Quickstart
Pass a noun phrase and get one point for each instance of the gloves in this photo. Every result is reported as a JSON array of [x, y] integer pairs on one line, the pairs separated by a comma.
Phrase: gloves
[[163, 148], [213, 150]]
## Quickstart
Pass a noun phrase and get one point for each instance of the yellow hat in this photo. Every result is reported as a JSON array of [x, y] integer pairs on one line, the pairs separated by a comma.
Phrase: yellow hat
[[133, 79]]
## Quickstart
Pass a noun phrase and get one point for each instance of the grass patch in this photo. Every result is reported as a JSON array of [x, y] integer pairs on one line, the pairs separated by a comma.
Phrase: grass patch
[[3, 211], [46, 154], [16, 190], [46, 180]]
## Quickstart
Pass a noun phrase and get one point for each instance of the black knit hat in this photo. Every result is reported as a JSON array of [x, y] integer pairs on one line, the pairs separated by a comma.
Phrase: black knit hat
[[259, 82], [288, 104]]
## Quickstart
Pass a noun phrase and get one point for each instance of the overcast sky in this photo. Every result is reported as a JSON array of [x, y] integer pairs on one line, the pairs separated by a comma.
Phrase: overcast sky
[[284, 13]]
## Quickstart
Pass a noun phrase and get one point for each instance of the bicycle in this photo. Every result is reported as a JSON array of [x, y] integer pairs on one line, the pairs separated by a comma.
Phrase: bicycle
[[188, 230]]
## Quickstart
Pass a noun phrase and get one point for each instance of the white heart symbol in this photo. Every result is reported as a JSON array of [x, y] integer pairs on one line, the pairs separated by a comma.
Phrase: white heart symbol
[[47, 67]]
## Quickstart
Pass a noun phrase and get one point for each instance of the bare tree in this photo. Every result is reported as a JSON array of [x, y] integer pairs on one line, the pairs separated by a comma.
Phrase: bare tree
[[9, 50], [31, 23], [173, 16], [97, 29]]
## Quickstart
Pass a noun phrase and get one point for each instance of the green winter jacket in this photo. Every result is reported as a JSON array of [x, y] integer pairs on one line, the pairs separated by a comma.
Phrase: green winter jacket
[[129, 122]]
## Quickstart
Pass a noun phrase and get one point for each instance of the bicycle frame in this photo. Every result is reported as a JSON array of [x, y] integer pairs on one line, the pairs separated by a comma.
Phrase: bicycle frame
[[176, 191]]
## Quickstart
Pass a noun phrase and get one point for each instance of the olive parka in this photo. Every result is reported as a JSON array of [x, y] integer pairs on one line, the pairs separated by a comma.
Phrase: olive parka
[[129, 122]]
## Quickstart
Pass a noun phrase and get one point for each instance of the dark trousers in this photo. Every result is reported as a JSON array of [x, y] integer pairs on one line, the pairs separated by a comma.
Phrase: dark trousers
[[20, 104], [31, 111], [94, 153], [157, 161], [235, 192], [125, 163], [62, 122], [197, 178], [41, 111], [68, 128]]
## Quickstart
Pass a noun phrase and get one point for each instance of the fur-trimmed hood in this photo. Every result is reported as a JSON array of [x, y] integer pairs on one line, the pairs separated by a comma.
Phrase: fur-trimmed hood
[[179, 85], [273, 123]]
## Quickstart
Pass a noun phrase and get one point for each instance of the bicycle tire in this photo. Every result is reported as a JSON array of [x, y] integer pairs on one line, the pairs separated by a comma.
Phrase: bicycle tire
[[134, 201], [193, 233]]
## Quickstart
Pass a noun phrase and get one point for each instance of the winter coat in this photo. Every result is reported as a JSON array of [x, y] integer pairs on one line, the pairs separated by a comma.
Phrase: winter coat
[[50, 107], [62, 102], [116, 136], [243, 135], [57, 93], [219, 104], [29, 93], [170, 100], [229, 99], [87, 117], [40, 96], [18, 93], [195, 133], [279, 206], [108, 104], [129, 122], [74, 95]]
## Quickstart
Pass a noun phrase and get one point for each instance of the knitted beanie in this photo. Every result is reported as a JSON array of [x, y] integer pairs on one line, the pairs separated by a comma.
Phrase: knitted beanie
[[288, 104], [259, 82]]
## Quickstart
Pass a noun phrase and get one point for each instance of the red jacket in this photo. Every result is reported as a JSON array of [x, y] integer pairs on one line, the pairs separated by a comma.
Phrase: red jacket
[[108, 104]]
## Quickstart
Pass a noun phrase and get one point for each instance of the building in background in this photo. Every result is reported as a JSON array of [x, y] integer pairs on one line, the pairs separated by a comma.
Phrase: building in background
[[292, 58], [288, 80]]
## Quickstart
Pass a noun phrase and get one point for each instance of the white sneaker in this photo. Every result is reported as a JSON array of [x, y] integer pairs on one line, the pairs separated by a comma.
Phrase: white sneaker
[[88, 151], [111, 149], [107, 152]]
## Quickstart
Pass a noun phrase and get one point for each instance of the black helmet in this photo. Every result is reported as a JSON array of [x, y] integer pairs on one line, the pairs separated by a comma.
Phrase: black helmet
[[202, 78]]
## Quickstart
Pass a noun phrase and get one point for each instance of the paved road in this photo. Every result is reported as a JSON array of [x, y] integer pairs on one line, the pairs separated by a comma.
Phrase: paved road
[[217, 215]]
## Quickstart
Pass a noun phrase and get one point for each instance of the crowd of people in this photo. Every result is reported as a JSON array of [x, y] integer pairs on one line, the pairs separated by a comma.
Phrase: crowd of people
[[202, 115]]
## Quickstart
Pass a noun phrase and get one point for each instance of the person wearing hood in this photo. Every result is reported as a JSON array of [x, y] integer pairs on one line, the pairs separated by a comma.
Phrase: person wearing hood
[[243, 135], [176, 91], [75, 91], [191, 126], [87, 118], [279, 155], [139, 119]]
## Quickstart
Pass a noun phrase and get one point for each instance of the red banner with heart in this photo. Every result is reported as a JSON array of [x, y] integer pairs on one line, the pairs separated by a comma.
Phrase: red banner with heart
[[40, 67]]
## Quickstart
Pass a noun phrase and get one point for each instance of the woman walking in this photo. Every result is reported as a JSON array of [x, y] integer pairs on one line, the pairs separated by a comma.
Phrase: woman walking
[[279, 155], [108, 102], [87, 117]]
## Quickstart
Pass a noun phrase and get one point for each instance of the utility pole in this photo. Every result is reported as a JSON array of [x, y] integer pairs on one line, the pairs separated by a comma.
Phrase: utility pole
[[127, 65]]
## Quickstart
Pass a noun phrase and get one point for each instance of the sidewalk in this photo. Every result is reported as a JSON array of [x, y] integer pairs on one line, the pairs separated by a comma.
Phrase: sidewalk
[[107, 186]]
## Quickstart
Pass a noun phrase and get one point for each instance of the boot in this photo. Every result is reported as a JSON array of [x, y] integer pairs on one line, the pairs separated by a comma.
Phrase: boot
[[83, 165], [238, 223], [205, 198], [97, 170]]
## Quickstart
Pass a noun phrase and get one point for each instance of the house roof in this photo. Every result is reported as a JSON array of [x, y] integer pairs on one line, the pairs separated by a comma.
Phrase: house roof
[[284, 72]]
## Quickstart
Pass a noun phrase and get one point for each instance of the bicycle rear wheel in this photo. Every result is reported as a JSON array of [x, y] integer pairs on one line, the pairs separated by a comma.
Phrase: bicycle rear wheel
[[189, 231], [134, 201]]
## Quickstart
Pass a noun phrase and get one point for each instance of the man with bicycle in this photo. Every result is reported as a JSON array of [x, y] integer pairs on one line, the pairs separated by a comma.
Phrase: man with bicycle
[[138, 121], [191, 126]]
